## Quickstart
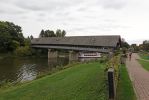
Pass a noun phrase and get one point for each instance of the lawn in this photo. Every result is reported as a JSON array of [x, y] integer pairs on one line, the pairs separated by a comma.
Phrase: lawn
[[144, 56], [125, 89], [80, 82], [144, 63]]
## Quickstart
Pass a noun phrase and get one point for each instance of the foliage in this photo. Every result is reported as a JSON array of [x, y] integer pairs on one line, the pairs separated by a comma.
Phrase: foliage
[[10, 36], [30, 37], [125, 89], [117, 52], [135, 47], [50, 33], [60, 33], [80, 82], [124, 44], [14, 44], [144, 46], [23, 51], [27, 42], [114, 63], [104, 59]]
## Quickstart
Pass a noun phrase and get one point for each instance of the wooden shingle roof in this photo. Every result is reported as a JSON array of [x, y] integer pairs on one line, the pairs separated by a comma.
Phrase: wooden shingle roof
[[106, 41]]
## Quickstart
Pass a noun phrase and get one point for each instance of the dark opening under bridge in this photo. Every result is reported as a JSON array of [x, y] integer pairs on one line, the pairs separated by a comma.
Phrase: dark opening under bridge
[[103, 44]]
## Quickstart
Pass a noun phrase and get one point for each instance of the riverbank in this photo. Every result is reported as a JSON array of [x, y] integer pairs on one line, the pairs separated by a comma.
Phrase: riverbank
[[82, 81], [12, 55]]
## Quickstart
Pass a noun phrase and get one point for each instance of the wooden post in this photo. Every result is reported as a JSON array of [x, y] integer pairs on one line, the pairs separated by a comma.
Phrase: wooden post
[[111, 84]]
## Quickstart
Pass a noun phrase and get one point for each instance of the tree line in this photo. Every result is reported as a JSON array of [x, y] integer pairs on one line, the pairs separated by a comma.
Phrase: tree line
[[51, 33]]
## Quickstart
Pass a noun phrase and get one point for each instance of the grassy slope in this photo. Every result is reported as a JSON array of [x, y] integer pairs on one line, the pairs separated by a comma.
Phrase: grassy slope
[[145, 64], [125, 89], [81, 82]]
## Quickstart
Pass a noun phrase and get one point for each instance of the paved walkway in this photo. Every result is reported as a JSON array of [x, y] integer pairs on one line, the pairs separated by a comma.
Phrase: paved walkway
[[139, 77]]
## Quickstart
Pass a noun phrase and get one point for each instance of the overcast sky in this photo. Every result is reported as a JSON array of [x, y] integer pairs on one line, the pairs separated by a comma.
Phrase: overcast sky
[[128, 18]]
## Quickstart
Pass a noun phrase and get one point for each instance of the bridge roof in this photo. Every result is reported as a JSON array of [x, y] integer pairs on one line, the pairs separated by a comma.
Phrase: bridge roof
[[104, 41]]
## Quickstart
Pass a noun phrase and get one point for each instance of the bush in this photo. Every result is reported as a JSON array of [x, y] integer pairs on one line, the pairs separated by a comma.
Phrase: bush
[[14, 44], [103, 59], [115, 64], [23, 51]]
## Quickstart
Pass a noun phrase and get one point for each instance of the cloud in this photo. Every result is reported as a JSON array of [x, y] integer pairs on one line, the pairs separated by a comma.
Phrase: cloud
[[115, 4], [78, 17], [7, 8], [46, 5]]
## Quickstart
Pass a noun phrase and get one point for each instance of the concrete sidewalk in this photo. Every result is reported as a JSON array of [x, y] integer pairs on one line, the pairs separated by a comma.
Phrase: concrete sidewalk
[[139, 77]]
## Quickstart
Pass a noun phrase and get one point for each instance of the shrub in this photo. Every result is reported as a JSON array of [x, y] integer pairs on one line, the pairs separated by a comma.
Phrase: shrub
[[114, 62], [103, 59], [14, 44], [23, 51]]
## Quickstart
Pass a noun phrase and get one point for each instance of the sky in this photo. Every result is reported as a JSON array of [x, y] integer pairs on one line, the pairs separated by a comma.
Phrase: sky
[[128, 18]]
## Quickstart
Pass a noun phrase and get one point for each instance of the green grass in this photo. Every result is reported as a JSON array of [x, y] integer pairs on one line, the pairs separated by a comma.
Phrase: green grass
[[81, 82], [125, 89], [144, 56], [144, 63]]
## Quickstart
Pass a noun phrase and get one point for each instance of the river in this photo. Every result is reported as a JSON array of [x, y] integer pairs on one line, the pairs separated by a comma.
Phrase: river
[[26, 69]]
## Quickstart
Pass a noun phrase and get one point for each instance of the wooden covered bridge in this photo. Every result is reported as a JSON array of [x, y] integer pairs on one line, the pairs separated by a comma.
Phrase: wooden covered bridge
[[102, 44]]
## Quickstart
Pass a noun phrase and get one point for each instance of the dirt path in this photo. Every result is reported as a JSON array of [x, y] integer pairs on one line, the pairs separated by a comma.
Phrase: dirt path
[[139, 77]]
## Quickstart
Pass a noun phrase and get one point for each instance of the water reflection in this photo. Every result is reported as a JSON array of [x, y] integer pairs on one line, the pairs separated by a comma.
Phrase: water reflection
[[26, 69], [27, 72]]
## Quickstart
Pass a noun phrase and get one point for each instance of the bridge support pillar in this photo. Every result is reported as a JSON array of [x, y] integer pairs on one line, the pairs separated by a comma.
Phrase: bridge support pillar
[[52, 54], [73, 56]]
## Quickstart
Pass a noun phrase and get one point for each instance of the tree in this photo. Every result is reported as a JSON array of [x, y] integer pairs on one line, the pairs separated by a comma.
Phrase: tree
[[124, 44], [14, 45], [58, 33], [135, 47], [145, 45], [42, 34], [63, 33], [10, 36], [31, 37], [50, 33]]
